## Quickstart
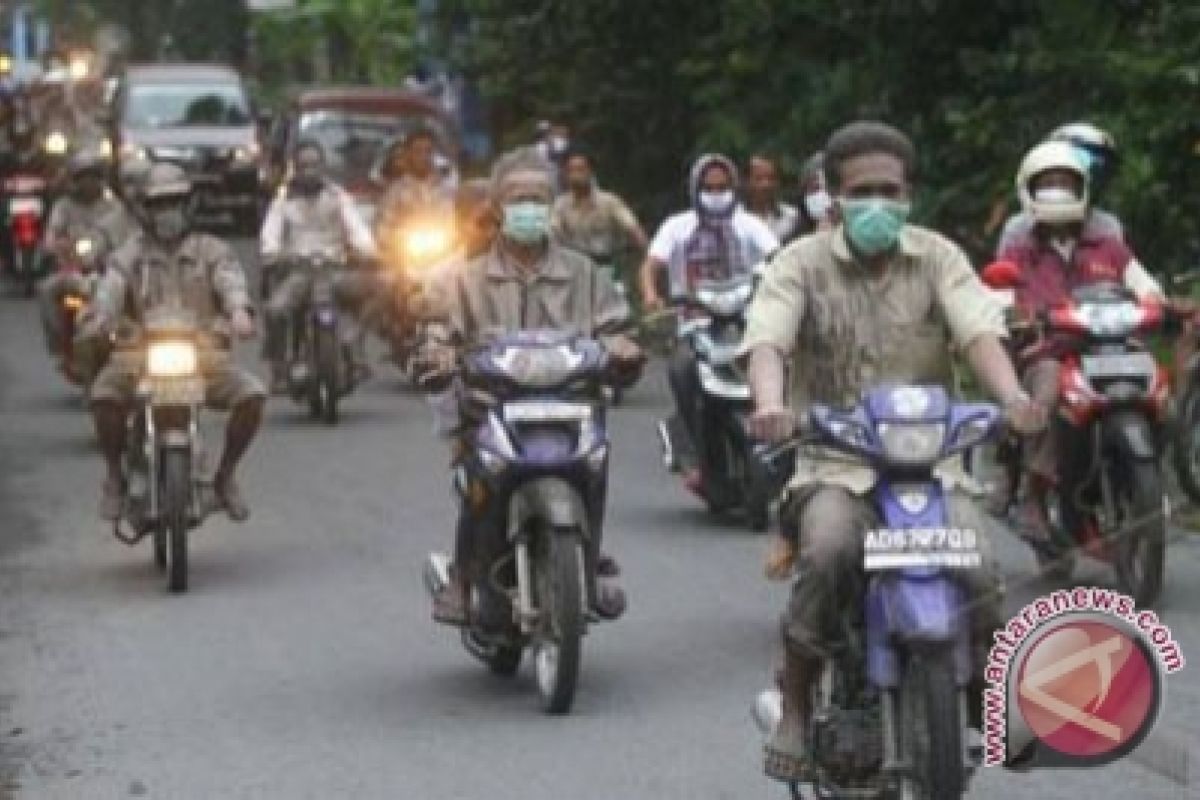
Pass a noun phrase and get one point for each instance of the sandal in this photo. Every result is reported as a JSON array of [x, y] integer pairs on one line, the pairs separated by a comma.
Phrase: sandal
[[788, 767]]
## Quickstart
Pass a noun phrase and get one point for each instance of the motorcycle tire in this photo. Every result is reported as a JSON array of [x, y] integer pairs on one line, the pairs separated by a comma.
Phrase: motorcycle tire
[[557, 647], [176, 500], [1056, 560], [932, 731], [327, 380], [1185, 452], [1141, 550]]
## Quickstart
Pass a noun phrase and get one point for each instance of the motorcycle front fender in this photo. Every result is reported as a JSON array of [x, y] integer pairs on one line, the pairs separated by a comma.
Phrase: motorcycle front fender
[[1131, 434], [920, 610], [549, 500]]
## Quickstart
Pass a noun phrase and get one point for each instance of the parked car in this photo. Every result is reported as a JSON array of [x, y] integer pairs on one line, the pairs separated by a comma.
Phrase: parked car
[[199, 116], [355, 125]]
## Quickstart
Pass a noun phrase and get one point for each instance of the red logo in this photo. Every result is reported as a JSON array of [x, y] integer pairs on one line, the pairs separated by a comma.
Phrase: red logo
[[1088, 689]]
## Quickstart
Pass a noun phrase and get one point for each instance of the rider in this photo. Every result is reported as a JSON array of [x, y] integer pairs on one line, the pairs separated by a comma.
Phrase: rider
[[312, 216], [875, 300], [1068, 246], [524, 281], [1098, 151], [816, 206], [718, 240], [594, 222], [88, 208], [164, 264], [414, 181], [762, 198]]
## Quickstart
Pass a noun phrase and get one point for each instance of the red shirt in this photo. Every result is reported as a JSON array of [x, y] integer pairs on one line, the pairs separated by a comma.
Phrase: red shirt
[[1048, 280]]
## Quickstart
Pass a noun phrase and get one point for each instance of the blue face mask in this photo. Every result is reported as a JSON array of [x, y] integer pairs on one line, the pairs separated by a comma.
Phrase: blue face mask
[[526, 222], [873, 225]]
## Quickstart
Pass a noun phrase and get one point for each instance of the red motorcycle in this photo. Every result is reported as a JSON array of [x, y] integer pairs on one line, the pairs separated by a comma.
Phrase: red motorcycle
[[25, 203], [1108, 500], [84, 267]]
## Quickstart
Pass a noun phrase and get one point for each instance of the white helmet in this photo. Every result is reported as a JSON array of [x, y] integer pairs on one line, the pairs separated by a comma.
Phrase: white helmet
[[1043, 158]]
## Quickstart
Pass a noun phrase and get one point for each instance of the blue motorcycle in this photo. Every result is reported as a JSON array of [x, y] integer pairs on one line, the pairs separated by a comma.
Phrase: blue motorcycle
[[534, 479], [890, 710]]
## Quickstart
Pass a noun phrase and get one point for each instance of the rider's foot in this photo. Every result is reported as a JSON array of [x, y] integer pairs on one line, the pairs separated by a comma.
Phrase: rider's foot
[[611, 601], [230, 496], [607, 566], [693, 479], [450, 604], [112, 497], [787, 754]]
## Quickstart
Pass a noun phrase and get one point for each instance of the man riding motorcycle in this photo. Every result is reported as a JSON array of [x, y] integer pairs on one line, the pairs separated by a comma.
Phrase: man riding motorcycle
[[715, 240], [312, 216], [1067, 247], [1098, 151], [762, 198], [594, 222], [414, 181], [87, 208], [166, 264], [524, 281], [874, 301]]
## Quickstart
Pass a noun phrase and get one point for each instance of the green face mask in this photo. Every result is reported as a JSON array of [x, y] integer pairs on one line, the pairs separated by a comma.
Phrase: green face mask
[[873, 225], [527, 222]]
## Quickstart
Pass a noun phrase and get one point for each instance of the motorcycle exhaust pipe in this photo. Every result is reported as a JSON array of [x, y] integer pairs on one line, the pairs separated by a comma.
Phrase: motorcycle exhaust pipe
[[767, 711], [436, 573]]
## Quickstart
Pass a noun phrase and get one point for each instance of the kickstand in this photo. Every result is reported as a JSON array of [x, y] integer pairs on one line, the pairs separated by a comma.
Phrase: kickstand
[[126, 538]]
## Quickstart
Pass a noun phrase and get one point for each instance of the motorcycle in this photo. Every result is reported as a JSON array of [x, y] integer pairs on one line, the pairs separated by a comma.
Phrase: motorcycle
[[164, 454], [538, 465], [419, 244], [84, 266], [890, 708], [25, 194], [1109, 501], [318, 366], [736, 476]]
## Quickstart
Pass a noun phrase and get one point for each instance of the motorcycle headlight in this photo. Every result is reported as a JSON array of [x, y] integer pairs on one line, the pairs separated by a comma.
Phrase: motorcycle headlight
[[84, 247], [171, 359], [912, 442], [79, 67], [106, 150], [425, 242], [538, 367], [56, 143]]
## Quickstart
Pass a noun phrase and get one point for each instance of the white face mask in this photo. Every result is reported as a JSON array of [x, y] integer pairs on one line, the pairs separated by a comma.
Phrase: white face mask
[[1055, 194], [817, 204], [717, 203]]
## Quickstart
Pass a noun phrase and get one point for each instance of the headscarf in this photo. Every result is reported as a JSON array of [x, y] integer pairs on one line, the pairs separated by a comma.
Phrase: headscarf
[[714, 250]]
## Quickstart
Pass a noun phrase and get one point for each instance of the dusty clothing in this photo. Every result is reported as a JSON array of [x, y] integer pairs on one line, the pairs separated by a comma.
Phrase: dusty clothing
[[598, 225], [1040, 379], [831, 522], [848, 330], [492, 294], [202, 275], [71, 218], [326, 224], [1019, 226]]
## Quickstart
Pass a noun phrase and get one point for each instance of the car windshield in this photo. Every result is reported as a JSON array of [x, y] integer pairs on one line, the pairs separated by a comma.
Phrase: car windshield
[[354, 143], [172, 106]]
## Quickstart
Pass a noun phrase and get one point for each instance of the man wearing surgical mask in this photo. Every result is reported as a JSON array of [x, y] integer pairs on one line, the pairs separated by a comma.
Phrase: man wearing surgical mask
[[525, 281], [716, 239], [874, 301]]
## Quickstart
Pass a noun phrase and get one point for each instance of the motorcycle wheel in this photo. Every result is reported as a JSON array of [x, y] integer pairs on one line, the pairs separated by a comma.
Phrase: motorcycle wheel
[[176, 495], [931, 739], [328, 377], [556, 651], [1142, 544], [1185, 453], [1055, 561]]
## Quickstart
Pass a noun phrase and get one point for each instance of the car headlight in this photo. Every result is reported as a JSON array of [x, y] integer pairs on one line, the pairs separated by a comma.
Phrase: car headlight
[[912, 442], [425, 242], [171, 359], [106, 150], [56, 143], [133, 152], [84, 247], [1110, 319], [246, 154]]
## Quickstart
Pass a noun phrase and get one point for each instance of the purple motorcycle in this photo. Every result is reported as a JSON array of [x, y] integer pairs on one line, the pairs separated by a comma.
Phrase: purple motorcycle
[[890, 710]]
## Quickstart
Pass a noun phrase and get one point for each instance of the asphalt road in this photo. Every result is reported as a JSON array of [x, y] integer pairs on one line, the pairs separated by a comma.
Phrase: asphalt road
[[302, 663]]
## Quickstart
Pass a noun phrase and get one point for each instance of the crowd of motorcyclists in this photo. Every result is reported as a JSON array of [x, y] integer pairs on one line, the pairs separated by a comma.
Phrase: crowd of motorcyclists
[[848, 294]]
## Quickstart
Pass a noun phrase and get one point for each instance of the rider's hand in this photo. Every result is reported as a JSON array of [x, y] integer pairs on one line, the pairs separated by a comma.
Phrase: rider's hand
[[1024, 414], [624, 349], [652, 303], [781, 557], [242, 323], [772, 424]]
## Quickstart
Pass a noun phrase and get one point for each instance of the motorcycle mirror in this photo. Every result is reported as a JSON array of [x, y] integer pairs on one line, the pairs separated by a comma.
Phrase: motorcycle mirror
[[1001, 275]]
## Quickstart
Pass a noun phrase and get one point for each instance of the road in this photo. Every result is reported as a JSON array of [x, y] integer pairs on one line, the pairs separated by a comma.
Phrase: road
[[302, 664]]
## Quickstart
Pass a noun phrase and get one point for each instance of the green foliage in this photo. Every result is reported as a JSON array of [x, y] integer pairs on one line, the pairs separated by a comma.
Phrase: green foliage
[[650, 83]]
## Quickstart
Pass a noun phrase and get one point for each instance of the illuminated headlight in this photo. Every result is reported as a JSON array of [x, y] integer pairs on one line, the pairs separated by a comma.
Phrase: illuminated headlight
[[425, 242], [171, 359], [538, 367], [84, 247], [56, 143], [912, 442], [106, 149], [1109, 319], [79, 68]]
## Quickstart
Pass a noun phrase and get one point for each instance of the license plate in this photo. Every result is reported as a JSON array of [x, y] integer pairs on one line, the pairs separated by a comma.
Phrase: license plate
[[1119, 365], [176, 391], [24, 205], [901, 548], [547, 412]]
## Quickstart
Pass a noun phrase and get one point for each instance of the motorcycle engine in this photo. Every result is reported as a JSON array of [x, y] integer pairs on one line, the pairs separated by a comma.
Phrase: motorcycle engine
[[848, 743]]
